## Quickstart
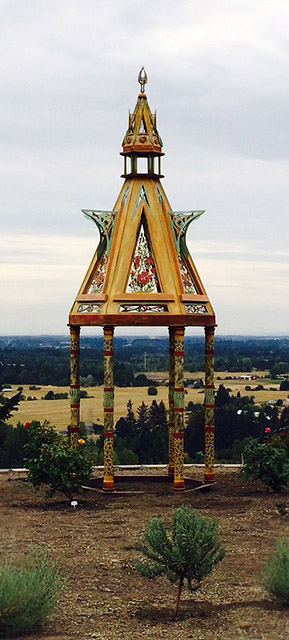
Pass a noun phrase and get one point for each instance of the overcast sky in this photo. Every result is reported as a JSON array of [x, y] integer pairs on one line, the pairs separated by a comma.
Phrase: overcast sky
[[218, 77]]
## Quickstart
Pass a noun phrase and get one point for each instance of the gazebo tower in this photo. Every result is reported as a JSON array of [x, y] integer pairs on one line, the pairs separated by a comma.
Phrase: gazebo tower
[[142, 275]]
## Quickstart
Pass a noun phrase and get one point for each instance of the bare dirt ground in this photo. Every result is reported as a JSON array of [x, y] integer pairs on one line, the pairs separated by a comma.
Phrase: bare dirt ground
[[106, 599]]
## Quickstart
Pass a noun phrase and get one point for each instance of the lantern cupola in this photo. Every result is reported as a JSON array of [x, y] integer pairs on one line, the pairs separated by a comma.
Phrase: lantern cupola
[[142, 144]]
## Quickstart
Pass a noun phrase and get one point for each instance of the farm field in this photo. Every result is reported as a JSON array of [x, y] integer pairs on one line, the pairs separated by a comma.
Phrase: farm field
[[96, 545], [57, 411]]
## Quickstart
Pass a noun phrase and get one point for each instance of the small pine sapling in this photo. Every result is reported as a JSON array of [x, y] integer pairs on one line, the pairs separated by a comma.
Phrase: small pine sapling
[[190, 551], [275, 578]]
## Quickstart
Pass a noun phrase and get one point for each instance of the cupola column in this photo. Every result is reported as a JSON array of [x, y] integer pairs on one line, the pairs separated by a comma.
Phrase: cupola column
[[108, 410], [74, 385], [171, 401], [179, 405], [209, 406]]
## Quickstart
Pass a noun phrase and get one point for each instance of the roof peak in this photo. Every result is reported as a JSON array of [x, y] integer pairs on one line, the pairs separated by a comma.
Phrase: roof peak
[[142, 136]]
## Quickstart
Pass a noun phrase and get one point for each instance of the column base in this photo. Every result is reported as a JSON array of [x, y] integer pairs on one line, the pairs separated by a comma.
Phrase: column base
[[209, 476], [179, 484], [171, 470], [108, 484]]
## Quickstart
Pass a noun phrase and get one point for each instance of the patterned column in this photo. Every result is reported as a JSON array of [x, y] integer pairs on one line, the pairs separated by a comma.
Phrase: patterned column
[[108, 409], [74, 385], [171, 401], [179, 404], [209, 406]]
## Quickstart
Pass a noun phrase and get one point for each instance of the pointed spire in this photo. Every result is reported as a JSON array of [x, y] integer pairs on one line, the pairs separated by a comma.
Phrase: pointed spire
[[142, 135]]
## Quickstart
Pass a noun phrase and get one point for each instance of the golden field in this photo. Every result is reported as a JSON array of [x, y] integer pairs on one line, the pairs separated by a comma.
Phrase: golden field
[[57, 411]]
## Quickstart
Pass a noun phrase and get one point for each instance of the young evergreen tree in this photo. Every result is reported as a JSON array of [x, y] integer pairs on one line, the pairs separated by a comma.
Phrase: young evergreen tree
[[190, 551]]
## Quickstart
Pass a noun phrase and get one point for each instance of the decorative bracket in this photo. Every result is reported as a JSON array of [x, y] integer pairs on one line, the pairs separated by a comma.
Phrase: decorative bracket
[[105, 222], [180, 221]]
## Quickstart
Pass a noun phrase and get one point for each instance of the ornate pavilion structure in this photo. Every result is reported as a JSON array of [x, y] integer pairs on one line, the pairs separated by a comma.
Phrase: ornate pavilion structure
[[142, 275]]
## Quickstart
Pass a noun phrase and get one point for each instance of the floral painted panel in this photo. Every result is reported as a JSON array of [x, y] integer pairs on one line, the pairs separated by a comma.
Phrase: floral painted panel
[[187, 278], [143, 276], [99, 276]]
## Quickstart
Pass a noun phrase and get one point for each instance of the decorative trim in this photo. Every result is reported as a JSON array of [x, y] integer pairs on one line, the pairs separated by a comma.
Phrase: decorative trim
[[89, 307], [143, 197], [196, 307], [143, 308]]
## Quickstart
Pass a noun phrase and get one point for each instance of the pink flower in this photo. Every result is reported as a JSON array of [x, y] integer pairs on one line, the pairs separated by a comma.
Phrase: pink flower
[[144, 278]]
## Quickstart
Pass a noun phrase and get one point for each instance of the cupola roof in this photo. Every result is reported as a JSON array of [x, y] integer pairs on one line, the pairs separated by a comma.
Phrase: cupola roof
[[142, 136]]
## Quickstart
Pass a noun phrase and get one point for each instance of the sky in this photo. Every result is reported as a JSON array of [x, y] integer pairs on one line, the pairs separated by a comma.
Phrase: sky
[[218, 78]]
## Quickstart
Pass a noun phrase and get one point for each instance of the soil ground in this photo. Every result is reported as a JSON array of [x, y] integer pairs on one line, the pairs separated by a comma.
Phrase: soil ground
[[96, 546]]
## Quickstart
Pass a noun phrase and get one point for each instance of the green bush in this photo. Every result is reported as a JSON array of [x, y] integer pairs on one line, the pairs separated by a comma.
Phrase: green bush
[[275, 577], [28, 593], [189, 551], [152, 391], [267, 463], [51, 461]]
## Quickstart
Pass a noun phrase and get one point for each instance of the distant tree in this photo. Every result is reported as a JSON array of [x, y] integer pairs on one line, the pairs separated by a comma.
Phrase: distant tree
[[8, 405], [279, 368], [223, 396], [284, 386], [152, 391]]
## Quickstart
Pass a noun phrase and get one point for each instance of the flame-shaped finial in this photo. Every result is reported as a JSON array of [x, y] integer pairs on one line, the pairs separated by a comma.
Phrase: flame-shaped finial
[[143, 79]]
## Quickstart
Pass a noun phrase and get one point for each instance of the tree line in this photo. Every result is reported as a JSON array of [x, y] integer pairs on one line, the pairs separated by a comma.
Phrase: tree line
[[45, 360]]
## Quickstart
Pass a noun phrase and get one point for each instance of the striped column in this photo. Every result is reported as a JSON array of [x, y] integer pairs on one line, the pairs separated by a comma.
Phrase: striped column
[[179, 404], [171, 401], [209, 406], [108, 409], [74, 385]]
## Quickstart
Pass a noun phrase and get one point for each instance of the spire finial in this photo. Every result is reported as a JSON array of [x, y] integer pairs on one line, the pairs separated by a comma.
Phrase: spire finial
[[143, 79]]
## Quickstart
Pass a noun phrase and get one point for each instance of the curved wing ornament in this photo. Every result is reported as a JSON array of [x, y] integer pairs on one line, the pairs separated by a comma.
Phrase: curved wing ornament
[[180, 221], [105, 222]]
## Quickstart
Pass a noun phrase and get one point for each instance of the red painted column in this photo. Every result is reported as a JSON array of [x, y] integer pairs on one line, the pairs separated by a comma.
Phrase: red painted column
[[179, 407], [108, 410], [171, 466], [74, 385], [209, 406]]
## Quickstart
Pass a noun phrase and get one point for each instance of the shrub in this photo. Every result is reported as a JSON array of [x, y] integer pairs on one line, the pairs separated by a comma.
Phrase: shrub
[[51, 461], [12, 441], [152, 391], [28, 593], [284, 386], [275, 577], [267, 463], [189, 551]]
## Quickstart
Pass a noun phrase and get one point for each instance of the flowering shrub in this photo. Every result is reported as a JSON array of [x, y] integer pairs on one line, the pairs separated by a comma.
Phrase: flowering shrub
[[268, 463], [52, 462]]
